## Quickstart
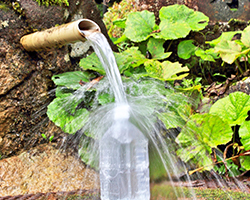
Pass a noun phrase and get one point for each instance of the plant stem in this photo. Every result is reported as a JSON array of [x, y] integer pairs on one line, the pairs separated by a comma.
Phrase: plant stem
[[238, 65], [169, 45], [234, 135], [245, 63]]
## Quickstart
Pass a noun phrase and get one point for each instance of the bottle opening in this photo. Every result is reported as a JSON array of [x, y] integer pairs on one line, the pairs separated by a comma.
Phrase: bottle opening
[[87, 27]]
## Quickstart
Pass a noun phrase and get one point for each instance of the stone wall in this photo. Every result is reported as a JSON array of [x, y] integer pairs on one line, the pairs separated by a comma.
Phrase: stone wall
[[25, 77]]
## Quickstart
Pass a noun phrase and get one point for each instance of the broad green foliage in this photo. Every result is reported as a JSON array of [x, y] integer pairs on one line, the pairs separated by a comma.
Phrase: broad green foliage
[[203, 132], [186, 49], [131, 57], [228, 50], [87, 154], [231, 51], [206, 55], [232, 108], [139, 25], [92, 62], [200, 134], [246, 37], [71, 79], [244, 133], [155, 47], [177, 111], [227, 36], [63, 112], [225, 47], [178, 20], [165, 70]]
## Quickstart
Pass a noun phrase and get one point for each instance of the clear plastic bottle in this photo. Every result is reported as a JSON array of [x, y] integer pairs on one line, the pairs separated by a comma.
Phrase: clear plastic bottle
[[124, 163]]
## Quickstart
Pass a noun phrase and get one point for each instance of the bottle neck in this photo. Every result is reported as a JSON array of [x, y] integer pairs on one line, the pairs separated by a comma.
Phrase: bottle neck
[[121, 112]]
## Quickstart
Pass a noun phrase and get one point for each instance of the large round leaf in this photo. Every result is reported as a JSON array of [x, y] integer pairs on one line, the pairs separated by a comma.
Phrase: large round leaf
[[156, 49], [201, 133], [139, 25], [246, 37], [93, 63], [63, 112], [232, 108], [228, 50], [178, 20], [186, 49], [166, 70], [71, 79]]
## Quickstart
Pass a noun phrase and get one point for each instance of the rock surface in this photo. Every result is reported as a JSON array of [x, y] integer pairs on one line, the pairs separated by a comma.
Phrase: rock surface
[[25, 77], [44, 169]]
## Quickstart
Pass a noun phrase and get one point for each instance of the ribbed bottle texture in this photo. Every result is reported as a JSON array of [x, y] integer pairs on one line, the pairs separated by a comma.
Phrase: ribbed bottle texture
[[124, 163]]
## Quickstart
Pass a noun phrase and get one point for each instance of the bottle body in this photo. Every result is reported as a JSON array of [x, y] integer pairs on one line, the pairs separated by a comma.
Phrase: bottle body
[[124, 163]]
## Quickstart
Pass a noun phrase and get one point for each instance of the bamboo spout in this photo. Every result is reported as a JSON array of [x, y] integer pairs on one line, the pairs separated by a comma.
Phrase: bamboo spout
[[61, 35]]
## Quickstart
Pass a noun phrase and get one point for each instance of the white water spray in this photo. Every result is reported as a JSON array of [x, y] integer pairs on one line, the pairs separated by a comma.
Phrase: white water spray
[[123, 149]]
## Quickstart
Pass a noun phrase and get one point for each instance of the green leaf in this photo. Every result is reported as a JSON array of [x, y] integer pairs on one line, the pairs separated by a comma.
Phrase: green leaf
[[88, 152], [139, 25], [63, 112], [228, 50], [170, 70], [132, 57], [178, 110], [156, 49], [92, 62], [105, 98], [154, 69], [226, 36], [245, 38], [165, 70], [178, 20], [70, 79], [232, 108], [171, 120], [205, 55], [123, 38], [44, 136], [201, 133], [244, 133], [62, 91], [51, 138], [121, 23], [245, 162], [186, 49]]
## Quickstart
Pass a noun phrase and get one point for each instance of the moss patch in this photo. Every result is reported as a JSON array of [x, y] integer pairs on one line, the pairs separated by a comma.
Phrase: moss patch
[[167, 192], [52, 2]]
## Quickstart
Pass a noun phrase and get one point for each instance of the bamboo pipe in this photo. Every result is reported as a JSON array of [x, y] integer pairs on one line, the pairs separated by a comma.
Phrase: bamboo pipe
[[61, 35]]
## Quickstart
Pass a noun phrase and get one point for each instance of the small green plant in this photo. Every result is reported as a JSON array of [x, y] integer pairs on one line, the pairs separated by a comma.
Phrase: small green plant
[[45, 137]]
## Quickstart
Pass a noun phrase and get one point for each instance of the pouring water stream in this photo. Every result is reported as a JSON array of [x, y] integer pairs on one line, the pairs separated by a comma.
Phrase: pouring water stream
[[123, 160]]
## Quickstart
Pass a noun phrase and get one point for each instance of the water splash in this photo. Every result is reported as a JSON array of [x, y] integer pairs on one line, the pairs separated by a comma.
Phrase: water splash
[[143, 115], [107, 58], [123, 157]]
